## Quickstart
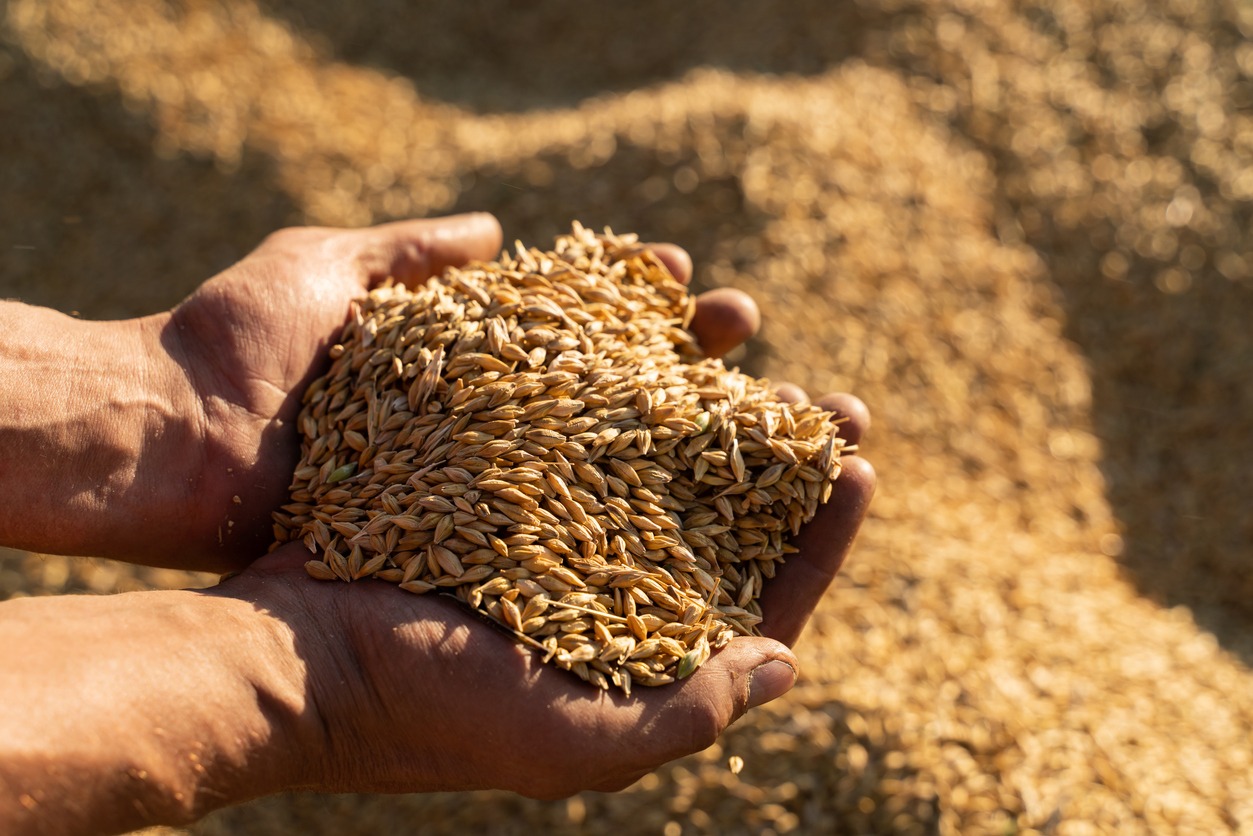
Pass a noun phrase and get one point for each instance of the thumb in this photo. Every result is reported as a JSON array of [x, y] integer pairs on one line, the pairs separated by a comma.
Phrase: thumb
[[691, 715], [288, 556], [413, 251], [748, 672]]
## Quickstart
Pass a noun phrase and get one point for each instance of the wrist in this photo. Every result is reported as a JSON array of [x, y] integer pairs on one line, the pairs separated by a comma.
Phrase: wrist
[[144, 708], [277, 742], [96, 438], [226, 728], [276, 660]]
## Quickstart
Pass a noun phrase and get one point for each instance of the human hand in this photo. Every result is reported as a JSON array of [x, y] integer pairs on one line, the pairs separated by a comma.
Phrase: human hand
[[168, 439], [418, 693], [247, 344]]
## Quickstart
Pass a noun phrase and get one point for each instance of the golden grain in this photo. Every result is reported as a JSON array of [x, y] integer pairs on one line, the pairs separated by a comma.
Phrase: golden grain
[[593, 468]]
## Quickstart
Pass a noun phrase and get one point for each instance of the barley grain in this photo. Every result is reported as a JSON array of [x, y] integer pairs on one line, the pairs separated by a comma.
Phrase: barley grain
[[555, 462]]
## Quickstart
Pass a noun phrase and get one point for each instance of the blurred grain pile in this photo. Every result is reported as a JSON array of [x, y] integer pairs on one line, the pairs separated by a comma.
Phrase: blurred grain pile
[[1020, 231]]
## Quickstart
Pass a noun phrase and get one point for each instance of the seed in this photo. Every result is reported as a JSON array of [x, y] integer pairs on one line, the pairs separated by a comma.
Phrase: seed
[[341, 473], [319, 570]]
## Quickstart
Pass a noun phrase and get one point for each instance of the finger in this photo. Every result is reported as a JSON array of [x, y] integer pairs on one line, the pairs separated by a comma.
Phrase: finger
[[790, 596], [791, 393], [676, 259], [689, 716], [853, 414], [724, 318], [290, 556], [413, 251]]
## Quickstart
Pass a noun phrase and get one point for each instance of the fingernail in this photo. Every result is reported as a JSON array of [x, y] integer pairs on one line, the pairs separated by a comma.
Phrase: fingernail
[[769, 682]]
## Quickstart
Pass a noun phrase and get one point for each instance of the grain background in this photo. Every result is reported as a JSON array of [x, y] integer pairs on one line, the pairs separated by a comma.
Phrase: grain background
[[1020, 231]]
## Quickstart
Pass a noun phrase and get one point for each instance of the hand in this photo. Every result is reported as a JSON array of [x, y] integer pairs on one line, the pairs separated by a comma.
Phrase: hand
[[248, 343], [168, 440], [418, 694]]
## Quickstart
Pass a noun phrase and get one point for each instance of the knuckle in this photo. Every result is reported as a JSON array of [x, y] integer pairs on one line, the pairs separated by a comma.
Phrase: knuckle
[[293, 236], [704, 724], [280, 236]]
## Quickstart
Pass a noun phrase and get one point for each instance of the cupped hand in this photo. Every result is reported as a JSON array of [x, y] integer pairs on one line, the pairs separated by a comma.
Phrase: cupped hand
[[248, 342], [418, 693]]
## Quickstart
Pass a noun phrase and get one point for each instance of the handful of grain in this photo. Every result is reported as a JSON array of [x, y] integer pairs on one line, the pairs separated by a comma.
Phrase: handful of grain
[[541, 438]]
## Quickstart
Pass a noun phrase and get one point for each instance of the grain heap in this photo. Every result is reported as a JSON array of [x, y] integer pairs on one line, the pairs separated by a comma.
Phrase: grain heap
[[540, 437]]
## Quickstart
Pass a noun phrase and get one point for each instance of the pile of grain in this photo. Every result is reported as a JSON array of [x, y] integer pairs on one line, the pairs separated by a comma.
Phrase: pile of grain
[[540, 437], [1019, 231]]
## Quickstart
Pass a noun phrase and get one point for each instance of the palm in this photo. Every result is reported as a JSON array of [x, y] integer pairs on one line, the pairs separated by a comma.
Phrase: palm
[[423, 694], [250, 347], [252, 339]]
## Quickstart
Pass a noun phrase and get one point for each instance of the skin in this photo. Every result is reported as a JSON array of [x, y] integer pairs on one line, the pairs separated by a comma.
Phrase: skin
[[158, 707]]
